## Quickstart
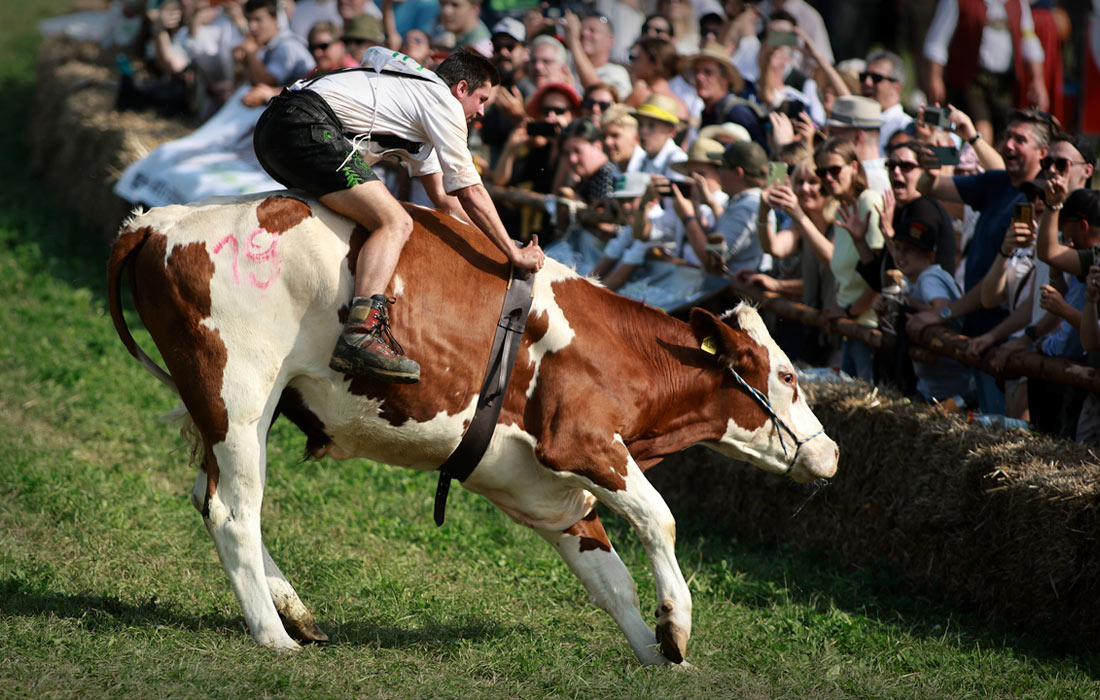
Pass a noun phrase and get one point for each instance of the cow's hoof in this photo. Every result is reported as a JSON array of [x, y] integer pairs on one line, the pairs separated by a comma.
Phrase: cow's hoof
[[673, 640], [305, 631], [285, 646]]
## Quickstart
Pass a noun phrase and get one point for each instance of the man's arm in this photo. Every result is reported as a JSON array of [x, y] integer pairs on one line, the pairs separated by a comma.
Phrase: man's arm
[[941, 187], [1047, 247], [433, 185], [480, 210], [586, 72]]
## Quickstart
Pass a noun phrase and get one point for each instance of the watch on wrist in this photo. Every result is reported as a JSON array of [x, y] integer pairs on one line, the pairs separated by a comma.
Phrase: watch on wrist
[[974, 139], [946, 313]]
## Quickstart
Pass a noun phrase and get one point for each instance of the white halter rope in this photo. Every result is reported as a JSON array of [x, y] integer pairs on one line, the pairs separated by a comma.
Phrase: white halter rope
[[777, 422]]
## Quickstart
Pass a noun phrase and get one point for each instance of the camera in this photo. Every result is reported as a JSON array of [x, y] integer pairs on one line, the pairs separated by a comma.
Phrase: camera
[[937, 117], [548, 129]]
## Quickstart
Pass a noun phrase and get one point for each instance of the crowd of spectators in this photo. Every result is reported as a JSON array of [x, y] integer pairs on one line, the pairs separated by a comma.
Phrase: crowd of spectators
[[901, 168]]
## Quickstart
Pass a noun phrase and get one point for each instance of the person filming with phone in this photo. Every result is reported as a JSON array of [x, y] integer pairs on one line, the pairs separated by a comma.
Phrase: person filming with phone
[[992, 194]]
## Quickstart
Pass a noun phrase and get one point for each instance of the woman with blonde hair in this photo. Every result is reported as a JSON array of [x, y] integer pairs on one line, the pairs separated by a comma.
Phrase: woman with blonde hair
[[843, 177]]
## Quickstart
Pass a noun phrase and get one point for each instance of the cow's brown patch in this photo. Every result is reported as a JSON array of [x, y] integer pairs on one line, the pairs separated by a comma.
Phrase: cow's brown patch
[[293, 406], [359, 236], [443, 300], [280, 214], [173, 300], [591, 533]]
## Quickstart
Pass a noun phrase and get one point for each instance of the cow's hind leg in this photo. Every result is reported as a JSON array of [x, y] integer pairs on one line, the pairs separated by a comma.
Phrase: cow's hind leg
[[589, 554], [229, 493]]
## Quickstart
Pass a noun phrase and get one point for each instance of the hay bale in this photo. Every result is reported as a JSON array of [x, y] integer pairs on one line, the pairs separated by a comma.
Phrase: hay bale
[[1003, 521], [78, 142]]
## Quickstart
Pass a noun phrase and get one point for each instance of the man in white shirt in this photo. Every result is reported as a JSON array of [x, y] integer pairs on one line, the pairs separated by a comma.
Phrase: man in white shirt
[[969, 52], [883, 81], [323, 136]]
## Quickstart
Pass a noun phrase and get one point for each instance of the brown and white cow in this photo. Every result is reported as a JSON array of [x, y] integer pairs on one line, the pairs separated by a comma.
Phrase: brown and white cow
[[245, 298]]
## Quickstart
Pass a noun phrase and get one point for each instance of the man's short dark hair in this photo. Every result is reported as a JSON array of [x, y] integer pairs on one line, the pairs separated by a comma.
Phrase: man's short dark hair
[[272, 6], [472, 67], [1081, 146]]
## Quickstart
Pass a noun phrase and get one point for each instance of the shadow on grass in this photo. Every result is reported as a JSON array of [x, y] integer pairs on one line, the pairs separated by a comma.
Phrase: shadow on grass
[[771, 576], [437, 633], [105, 613]]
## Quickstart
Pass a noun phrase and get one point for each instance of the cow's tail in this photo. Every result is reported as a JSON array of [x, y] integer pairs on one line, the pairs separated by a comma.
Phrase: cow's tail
[[129, 242]]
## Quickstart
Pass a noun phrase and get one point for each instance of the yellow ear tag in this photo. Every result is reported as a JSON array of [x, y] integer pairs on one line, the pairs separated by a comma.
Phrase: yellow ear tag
[[709, 345]]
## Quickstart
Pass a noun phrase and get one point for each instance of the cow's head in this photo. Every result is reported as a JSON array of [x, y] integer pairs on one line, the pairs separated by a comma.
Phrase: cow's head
[[775, 429]]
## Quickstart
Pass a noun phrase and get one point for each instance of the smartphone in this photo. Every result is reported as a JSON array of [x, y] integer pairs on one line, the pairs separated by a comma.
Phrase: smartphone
[[946, 155], [782, 38], [777, 173], [1022, 212], [684, 186], [549, 129], [792, 108], [937, 117]]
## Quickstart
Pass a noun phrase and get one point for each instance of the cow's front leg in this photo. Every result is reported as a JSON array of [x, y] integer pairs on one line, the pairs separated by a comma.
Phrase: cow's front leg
[[589, 554], [230, 504], [646, 511], [297, 619]]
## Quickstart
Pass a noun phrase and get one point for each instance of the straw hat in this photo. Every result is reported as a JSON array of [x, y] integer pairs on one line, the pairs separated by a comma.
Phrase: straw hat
[[703, 151], [855, 112], [718, 52], [660, 107], [726, 133]]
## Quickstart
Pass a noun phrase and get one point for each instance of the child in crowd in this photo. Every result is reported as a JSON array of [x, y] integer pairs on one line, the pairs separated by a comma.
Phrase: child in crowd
[[930, 287]]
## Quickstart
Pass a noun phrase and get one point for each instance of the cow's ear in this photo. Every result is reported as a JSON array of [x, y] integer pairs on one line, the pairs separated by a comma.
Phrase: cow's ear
[[709, 332], [718, 338]]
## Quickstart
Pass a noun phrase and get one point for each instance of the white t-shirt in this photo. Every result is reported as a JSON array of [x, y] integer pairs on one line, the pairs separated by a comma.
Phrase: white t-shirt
[[419, 110]]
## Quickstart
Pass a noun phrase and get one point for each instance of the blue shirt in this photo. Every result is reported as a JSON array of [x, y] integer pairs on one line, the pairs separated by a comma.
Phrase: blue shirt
[[992, 194], [945, 377]]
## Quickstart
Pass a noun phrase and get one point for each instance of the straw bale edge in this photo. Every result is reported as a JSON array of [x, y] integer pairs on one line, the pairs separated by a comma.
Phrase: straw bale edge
[[1003, 522]]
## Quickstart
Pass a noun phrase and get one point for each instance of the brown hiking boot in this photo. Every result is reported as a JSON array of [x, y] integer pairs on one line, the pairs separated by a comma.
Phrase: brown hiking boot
[[366, 347]]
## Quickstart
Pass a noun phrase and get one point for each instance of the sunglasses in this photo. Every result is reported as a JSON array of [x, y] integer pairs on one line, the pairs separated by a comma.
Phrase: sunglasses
[[320, 46], [875, 78], [1060, 164], [589, 103], [555, 110], [903, 165], [505, 45], [832, 171]]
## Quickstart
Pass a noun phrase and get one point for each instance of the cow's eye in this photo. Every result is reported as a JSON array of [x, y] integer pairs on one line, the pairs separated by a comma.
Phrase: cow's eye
[[788, 378]]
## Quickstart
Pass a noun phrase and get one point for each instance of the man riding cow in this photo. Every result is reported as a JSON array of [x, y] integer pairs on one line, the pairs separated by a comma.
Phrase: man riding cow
[[323, 135]]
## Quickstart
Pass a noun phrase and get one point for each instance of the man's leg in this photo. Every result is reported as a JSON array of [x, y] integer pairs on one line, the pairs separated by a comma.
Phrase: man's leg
[[366, 346]]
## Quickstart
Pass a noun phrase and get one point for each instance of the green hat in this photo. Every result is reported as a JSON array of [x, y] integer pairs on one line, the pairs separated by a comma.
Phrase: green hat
[[747, 155], [364, 28]]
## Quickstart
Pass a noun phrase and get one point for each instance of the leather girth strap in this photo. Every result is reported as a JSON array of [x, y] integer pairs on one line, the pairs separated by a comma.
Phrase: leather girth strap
[[502, 358]]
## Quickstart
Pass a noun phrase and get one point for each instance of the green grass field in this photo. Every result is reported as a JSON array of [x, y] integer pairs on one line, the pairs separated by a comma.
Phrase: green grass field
[[110, 586]]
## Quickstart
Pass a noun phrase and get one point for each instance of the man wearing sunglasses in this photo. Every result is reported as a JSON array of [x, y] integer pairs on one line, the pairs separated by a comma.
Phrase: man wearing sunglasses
[[883, 82], [993, 194], [1069, 159]]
